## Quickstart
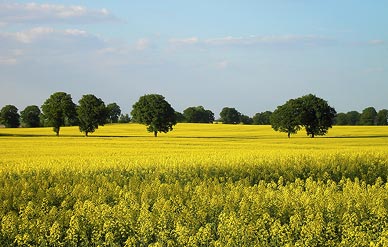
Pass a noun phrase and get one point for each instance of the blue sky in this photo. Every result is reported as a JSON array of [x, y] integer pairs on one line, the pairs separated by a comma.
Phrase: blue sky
[[251, 55]]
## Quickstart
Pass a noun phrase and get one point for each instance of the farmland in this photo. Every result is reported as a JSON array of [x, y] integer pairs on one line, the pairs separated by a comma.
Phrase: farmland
[[199, 185]]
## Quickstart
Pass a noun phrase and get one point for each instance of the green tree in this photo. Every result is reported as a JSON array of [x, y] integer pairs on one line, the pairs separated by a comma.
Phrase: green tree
[[9, 116], [315, 114], [341, 119], [246, 119], [230, 116], [368, 116], [353, 117], [155, 112], [30, 116], [286, 118], [180, 118], [58, 110], [262, 118], [198, 114], [124, 118], [113, 112], [91, 113], [382, 117]]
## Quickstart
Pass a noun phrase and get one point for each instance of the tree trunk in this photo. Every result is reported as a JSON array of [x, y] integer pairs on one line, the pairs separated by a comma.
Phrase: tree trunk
[[289, 134], [312, 135], [86, 134], [155, 133]]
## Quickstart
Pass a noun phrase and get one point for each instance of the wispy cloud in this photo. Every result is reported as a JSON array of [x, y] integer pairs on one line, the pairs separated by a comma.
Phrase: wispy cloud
[[376, 42], [285, 40], [33, 13]]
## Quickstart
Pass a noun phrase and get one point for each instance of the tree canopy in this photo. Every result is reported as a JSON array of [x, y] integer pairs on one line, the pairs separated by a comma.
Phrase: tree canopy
[[309, 111], [9, 116], [368, 116], [59, 109], [262, 118], [91, 113], [30, 116], [230, 116], [286, 118], [155, 112], [198, 114], [113, 113]]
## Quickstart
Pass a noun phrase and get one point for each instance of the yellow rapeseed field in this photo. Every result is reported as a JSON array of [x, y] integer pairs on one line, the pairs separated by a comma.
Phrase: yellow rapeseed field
[[199, 185]]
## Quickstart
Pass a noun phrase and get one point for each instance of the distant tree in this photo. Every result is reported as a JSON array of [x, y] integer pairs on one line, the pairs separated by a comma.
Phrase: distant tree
[[286, 118], [180, 118], [113, 112], [91, 113], [246, 119], [353, 117], [341, 119], [316, 116], [155, 112], [368, 116], [230, 115], [59, 109], [124, 118], [198, 114], [262, 118], [30, 116], [9, 116], [382, 117]]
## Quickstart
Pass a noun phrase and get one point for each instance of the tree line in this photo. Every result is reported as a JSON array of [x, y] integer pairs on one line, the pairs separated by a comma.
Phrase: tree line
[[308, 112]]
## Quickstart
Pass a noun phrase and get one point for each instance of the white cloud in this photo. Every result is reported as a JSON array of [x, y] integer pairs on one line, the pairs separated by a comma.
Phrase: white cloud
[[304, 40], [271, 40], [16, 13], [184, 41], [142, 44], [222, 64], [376, 42]]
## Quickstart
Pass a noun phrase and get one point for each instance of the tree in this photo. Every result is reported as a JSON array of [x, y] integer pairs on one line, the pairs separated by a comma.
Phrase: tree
[[124, 118], [180, 118], [286, 118], [382, 117], [230, 115], [368, 116], [353, 117], [30, 116], [113, 112], [91, 113], [155, 112], [9, 116], [262, 118], [341, 119], [59, 109], [198, 114], [246, 119], [316, 116]]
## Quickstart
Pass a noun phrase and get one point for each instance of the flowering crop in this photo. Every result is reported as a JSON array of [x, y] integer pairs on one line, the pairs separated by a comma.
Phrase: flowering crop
[[200, 185]]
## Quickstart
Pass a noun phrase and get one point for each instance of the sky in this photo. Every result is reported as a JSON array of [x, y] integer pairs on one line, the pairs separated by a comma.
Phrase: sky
[[252, 55]]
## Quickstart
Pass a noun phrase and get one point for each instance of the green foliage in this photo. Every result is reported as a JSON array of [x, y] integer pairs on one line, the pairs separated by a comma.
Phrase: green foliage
[[286, 118], [382, 117], [59, 109], [230, 116], [113, 113], [341, 119], [262, 118], [91, 113], [198, 114], [309, 111], [316, 116], [368, 116], [353, 117], [124, 118], [244, 119], [155, 112], [30, 116], [9, 116]]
